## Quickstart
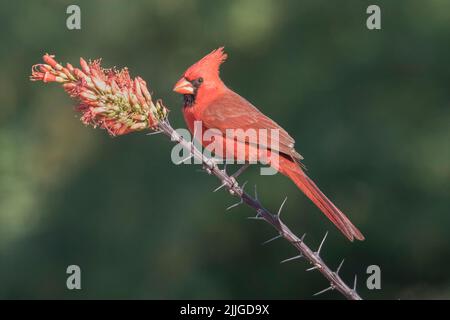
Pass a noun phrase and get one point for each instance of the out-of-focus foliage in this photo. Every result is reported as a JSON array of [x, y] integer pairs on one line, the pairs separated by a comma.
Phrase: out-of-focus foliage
[[370, 111]]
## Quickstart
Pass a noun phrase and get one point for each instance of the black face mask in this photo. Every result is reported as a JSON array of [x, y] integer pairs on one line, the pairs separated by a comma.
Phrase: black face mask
[[189, 100]]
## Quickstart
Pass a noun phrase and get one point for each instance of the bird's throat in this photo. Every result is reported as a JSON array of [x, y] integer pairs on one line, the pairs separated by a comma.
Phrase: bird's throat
[[189, 100]]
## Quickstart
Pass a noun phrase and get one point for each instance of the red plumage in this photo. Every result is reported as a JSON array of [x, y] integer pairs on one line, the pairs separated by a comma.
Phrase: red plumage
[[207, 99]]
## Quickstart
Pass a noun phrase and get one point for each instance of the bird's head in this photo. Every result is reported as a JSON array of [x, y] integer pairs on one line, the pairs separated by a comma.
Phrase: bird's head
[[201, 77]]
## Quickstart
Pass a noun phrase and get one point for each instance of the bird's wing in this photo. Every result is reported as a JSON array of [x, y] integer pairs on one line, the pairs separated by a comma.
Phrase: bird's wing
[[231, 111]]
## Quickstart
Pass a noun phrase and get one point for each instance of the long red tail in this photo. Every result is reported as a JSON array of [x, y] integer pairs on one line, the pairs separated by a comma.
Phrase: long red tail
[[309, 188]]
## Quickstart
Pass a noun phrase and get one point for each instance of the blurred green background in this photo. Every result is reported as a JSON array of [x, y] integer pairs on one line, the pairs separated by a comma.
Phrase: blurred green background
[[370, 111]]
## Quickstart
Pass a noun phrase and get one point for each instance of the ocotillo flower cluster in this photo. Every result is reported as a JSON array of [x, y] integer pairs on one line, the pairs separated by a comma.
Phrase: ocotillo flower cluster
[[108, 98]]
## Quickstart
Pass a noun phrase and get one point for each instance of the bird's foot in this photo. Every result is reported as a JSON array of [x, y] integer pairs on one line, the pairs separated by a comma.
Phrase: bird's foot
[[211, 164], [232, 185]]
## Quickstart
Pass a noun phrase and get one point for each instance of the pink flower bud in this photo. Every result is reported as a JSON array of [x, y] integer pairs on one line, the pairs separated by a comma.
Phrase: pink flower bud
[[138, 126], [139, 117], [143, 86], [123, 130], [69, 67], [45, 68], [79, 74], [108, 98], [152, 121], [114, 87], [67, 73], [84, 66], [38, 72], [48, 77], [99, 83], [88, 95], [48, 59], [138, 91], [98, 110], [70, 86], [132, 98]]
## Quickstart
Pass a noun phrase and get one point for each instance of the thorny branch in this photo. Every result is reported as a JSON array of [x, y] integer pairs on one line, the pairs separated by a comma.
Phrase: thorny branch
[[313, 257]]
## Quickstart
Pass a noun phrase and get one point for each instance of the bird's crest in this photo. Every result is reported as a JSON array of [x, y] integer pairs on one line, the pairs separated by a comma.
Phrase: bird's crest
[[209, 64]]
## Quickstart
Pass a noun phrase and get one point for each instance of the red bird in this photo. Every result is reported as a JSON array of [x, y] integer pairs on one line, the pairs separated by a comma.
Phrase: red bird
[[207, 99]]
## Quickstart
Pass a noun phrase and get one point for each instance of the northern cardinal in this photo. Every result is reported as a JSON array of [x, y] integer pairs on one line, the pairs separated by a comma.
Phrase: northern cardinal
[[207, 99]]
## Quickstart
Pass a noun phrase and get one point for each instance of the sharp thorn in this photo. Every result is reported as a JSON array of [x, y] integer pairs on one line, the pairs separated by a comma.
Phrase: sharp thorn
[[292, 258], [354, 282], [154, 133], [312, 268], [339, 267], [323, 291], [272, 239], [240, 171], [234, 205], [256, 193], [302, 238], [219, 187], [243, 185], [321, 244], [257, 217], [281, 207], [185, 159]]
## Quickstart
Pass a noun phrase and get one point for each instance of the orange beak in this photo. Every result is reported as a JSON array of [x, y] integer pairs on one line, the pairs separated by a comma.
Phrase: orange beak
[[184, 87]]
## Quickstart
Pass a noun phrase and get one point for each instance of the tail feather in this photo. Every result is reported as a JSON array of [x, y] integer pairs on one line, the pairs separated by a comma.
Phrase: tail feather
[[310, 189]]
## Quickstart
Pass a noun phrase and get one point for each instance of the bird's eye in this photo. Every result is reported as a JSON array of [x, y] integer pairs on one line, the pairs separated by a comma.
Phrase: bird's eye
[[197, 82]]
